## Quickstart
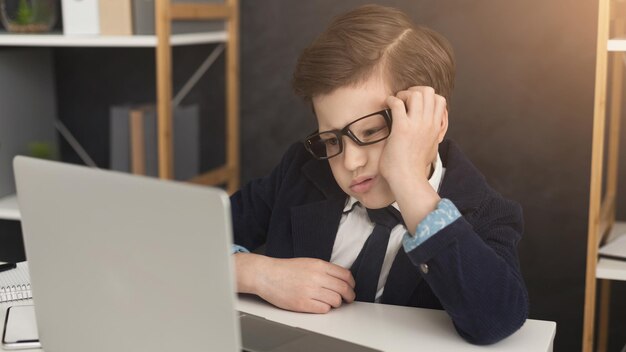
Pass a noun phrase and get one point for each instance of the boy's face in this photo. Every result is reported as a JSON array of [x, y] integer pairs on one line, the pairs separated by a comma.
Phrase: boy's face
[[356, 168]]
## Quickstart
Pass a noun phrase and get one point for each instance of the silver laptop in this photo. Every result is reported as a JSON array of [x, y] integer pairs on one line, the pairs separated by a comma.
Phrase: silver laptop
[[127, 263]]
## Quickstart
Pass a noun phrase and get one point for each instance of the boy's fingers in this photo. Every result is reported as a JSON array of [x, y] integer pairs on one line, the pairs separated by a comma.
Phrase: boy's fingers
[[340, 273], [398, 109], [414, 102], [429, 101], [440, 107], [329, 297], [342, 288], [316, 306]]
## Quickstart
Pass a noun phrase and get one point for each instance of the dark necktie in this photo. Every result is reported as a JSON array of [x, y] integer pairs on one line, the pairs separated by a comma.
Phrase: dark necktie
[[367, 266]]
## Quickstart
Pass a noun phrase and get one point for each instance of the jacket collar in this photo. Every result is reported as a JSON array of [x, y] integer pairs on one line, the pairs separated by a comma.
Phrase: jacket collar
[[463, 184], [320, 174]]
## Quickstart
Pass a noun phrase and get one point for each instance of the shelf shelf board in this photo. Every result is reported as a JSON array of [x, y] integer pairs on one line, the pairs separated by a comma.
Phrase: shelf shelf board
[[96, 41], [613, 269], [9, 209], [617, 44]]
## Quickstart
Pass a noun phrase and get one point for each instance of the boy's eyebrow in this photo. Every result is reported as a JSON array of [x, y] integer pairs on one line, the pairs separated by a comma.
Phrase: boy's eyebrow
[[332, 128], [328, 129]]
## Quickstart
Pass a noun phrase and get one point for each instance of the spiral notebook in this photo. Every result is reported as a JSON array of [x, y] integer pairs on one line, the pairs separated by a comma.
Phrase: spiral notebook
[[15, 284]]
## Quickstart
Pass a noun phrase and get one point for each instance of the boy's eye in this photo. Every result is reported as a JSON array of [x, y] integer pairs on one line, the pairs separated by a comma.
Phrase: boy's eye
[[372, 131], [331, 141]]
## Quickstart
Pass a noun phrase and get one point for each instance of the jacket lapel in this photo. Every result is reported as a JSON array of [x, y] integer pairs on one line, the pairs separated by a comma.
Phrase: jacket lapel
[[315, 224], [314, 227]]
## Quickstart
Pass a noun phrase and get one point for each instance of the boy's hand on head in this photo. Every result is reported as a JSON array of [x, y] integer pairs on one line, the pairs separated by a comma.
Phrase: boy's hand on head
[[419, 124], [420, 121], [303, 284]]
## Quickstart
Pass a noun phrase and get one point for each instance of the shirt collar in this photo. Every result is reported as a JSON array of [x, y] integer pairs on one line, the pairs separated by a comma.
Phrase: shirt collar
[[434, 180]]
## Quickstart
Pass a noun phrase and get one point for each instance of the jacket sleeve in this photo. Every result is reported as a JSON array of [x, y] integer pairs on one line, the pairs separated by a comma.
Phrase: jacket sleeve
[[474, 271], [251, 206]]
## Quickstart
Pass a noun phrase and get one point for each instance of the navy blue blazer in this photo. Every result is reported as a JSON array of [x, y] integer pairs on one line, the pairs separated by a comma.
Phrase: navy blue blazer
[[473, 267]]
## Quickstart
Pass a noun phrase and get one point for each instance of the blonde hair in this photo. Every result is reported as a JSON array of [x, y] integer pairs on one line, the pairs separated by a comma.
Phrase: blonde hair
[[371, 39]]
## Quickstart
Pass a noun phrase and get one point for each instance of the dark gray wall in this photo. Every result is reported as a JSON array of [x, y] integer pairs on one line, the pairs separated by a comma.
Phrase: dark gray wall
[[522, 111]]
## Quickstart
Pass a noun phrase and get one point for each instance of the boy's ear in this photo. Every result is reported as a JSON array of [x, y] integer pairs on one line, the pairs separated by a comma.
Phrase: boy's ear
[[444, 127]]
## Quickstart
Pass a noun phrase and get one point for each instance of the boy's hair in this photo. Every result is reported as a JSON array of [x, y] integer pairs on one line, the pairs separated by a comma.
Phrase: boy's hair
[[372, 39]]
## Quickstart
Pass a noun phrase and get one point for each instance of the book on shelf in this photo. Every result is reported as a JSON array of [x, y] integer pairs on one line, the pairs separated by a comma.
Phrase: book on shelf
[[115, 17], [15, 284], [186, 138]]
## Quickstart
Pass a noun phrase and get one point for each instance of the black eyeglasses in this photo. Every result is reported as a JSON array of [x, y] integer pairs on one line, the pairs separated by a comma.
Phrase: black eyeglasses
[[365, 130]]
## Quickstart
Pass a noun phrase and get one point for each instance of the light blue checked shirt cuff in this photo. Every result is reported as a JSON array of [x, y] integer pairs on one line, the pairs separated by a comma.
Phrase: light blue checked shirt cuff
[[238, 249], [445, 214]]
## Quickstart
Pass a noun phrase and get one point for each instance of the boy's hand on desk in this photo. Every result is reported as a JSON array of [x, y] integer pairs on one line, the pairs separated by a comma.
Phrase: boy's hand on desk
[[299, 284]]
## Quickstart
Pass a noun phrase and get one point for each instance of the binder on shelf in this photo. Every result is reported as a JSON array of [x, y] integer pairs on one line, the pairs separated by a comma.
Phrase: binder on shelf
[[125, 150], [15, 284], [80, 17], [115, 17]]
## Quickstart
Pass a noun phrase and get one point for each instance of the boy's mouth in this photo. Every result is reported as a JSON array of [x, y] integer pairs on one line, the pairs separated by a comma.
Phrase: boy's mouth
[[362, 184]]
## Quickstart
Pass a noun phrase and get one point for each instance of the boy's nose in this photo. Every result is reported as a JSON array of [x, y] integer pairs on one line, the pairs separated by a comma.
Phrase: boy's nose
[[354, 156]]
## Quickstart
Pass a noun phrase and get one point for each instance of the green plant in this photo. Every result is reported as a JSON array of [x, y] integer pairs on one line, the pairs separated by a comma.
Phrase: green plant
[[24, 13], [41, 150]]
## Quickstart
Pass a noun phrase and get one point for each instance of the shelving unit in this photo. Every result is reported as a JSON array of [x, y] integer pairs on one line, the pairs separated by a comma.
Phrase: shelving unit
[[134, 41], [163, 41], [602, 225], [165, 14]]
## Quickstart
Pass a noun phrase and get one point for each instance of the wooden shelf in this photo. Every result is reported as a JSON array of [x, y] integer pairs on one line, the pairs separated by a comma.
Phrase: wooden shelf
[[603, 187], [9, 209], [617, 44], [134, 41]]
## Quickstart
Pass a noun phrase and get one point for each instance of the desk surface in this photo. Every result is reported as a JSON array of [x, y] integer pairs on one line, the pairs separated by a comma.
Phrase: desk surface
[[389, 328], [395, 328]]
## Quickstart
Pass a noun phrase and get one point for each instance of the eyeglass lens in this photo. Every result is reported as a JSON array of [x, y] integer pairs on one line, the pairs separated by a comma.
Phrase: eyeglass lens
[[364, 131]]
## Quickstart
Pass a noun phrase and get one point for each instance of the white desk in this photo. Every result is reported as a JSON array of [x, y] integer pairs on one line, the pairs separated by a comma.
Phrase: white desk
[[390, 328], [395, 328]]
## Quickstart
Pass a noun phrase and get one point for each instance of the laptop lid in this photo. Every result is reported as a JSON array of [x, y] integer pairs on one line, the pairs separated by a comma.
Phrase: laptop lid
[[126, 263]]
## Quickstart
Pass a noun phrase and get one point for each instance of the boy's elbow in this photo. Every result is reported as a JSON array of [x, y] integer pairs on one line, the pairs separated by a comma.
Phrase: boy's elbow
[[495, 329]]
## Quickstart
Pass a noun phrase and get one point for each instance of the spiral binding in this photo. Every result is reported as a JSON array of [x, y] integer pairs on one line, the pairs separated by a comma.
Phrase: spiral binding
[[15, 293]]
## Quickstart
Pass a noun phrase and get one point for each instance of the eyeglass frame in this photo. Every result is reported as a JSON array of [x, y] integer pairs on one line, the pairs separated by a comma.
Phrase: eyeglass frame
[[386, 113]]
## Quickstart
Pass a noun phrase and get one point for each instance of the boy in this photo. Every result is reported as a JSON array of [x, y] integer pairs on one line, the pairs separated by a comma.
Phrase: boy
[[369, 212]]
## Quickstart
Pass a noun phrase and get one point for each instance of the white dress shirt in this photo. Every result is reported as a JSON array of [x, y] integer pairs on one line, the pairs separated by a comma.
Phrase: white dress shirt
[[355, 227]]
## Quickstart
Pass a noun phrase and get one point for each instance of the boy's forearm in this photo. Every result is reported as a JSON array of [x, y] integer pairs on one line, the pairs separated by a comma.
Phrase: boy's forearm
[[246, 266], [416, 199]]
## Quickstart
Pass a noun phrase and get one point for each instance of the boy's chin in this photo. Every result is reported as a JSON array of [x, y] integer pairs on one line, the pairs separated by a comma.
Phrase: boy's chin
[[375, 201]]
